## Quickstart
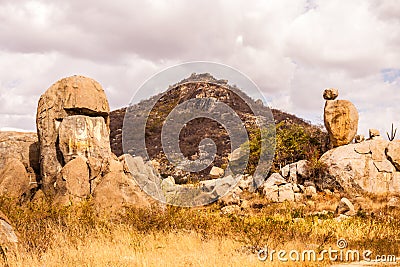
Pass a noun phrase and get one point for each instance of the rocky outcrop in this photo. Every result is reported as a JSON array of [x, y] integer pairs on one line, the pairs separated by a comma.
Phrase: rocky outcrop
[[76, 95], [20, 146], [84, 136], [73, 184], [365, 167], [340, 118], [15, 182], [117, 188]]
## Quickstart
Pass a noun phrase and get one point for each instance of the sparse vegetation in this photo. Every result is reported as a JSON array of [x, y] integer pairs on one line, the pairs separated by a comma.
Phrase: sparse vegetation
[[80, 236]]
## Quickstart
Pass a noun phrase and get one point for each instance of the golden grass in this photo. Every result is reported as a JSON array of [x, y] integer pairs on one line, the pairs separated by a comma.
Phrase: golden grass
[[81, 236]]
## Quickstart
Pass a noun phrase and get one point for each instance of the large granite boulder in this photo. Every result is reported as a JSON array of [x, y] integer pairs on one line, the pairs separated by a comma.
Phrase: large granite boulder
[[117, 189], [73, 181], [76, 95], [15, 182], [365, 167], [341, 121], [84, 136]]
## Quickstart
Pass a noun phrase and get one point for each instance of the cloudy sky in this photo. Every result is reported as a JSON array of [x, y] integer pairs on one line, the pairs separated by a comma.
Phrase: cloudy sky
[[292, 49]]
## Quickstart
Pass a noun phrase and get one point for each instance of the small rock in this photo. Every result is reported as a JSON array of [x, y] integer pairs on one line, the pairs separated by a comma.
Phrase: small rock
[[285, 171], [285, 193], [331, 94], [328, 192], [302, 167], [310, 191], [14, 180], [232, 198], [359, 138], [7, 233], [296, 188], [298, 197], [275, 179], [232, 209], [245, 204], [246, 183], [271, 193], [374, 133], [216, 172], [345, 207], [394, 202]]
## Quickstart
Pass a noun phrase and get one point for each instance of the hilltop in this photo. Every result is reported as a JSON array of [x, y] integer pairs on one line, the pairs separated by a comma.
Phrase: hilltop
[[201, 86]]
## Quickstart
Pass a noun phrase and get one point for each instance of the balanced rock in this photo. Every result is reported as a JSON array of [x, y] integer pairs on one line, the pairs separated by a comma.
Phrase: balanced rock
[[331, 94], [341, 121], [76, 95]]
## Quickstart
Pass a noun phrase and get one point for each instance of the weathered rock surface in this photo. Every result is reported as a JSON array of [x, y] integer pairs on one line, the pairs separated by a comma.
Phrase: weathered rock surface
[[15, 182], [393, 153], [8, 236], [73, 181], [341, 121], [295, 172], [364, 167], [216, 172], [20, 146], [277, 189], [76, 95], [359, 138], [345, 207], [84, 136], [374, 134], [118, 190], [330, 94]]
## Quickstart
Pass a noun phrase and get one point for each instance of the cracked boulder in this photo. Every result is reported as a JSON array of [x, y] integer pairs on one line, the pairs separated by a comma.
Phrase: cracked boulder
[[76, 95], [369, 166]]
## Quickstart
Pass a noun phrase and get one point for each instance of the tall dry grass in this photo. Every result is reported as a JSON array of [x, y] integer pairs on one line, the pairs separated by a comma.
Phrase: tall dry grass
[[81, 236]]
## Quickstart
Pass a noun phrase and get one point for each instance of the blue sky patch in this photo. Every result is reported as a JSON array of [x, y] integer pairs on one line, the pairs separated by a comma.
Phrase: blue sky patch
[[390, 75]]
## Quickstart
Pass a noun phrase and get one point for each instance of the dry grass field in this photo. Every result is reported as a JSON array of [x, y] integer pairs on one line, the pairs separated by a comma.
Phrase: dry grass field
[[170, 236]]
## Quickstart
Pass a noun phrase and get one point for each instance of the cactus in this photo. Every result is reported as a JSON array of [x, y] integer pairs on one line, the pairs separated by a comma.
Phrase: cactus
[[392, 134]]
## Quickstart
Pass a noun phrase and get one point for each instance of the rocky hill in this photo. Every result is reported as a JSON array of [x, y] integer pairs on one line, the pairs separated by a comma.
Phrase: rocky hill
[[200, 86]]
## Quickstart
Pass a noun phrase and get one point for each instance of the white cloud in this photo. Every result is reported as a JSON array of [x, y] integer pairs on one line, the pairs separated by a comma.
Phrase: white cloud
[[291, 49]]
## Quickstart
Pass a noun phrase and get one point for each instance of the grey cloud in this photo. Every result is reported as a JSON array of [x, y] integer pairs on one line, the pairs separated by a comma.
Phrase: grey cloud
[[291, 49]]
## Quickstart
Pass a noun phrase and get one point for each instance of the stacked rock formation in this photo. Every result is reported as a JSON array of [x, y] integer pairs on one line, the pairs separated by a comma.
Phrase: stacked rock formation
[[340, 118], [75, 155], [68, 97]]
